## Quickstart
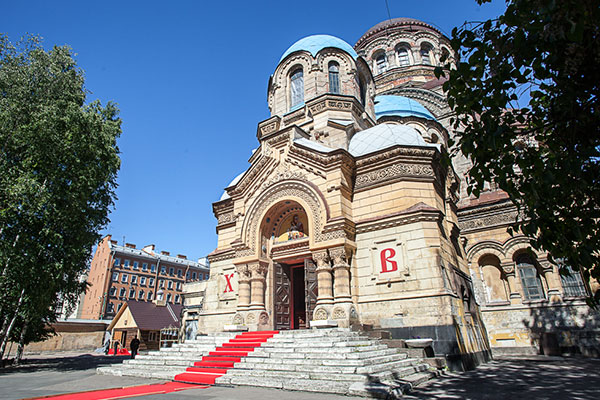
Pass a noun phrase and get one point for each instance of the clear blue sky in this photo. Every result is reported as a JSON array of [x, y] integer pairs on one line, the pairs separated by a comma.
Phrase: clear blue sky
[[190, 78]]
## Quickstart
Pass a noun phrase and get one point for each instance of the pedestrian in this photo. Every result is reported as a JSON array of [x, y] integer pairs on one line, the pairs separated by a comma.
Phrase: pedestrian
[[107, 337], [135, 345], [116, 345]]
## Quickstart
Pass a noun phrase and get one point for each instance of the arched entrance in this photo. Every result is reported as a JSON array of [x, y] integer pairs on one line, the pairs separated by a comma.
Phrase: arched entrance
[[285, 236]]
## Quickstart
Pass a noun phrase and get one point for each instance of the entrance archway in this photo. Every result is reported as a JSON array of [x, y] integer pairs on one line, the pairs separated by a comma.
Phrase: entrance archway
[[285, 235]]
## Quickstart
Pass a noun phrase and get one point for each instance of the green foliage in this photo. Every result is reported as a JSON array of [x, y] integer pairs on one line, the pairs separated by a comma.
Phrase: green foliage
[[526, 94], [58, 168]]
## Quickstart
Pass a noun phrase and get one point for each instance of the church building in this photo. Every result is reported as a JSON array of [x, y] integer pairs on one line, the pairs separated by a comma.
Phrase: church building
[[347, 216]]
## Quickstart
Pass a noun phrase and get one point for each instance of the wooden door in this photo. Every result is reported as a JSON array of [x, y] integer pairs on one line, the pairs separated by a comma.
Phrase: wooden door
[[310, 288], [282, 296]]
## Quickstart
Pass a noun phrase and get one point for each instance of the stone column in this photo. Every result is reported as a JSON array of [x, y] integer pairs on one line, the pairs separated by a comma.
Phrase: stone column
[[324, 278], [552, 280], [258, 273], [341, 271], [243, 287], [509, 271]]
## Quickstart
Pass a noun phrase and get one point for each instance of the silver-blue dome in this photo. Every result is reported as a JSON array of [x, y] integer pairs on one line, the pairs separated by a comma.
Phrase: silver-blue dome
[[400, 106], [315, 43], [383, 136]]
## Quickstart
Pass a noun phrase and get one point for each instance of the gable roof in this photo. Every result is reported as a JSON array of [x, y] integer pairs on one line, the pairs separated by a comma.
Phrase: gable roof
[[150, 317]]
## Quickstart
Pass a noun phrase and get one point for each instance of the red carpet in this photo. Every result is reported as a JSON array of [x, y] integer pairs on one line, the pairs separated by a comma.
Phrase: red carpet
[[217, 362], [121, 352], [120, 393]]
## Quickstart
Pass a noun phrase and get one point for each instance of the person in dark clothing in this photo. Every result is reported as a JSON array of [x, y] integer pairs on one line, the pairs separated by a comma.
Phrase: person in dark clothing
[[116, 345], [135, 345]]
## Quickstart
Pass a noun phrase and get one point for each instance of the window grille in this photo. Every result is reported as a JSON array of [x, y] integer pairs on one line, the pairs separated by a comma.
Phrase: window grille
[[403, 59], [381, 62], [573, 284], [532, 285], [334, 78], [426, 55], [297, 88]]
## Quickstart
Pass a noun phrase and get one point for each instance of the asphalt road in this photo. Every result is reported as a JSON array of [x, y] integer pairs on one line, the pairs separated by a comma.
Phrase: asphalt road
[[524, 378]]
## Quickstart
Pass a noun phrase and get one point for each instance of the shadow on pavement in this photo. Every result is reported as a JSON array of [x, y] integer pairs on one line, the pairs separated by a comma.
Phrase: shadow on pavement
[[62, 363], [530, 379]]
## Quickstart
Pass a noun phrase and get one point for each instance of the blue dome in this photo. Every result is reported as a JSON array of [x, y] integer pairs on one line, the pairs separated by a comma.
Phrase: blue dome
[[400, 106], [315, 43], [383, 136]]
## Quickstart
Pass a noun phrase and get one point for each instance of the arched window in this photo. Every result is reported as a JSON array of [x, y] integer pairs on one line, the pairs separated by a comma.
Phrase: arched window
[[572, 284], [334, 77], [381, 62], [296, 89], [426, 54], [530, 280], [402, 54]]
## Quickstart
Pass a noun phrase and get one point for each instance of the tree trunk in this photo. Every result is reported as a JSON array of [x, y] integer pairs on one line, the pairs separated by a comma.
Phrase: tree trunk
[[10, 326], [19, 354]]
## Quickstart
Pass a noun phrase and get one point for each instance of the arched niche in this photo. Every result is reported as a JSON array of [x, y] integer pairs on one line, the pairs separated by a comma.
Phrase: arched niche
[[493, 279]]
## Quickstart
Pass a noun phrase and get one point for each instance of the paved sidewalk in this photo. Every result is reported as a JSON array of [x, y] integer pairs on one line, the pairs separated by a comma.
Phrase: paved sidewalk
[[528, 378]]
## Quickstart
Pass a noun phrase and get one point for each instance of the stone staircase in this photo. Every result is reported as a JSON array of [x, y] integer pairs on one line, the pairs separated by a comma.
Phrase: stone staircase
[[169, 361], [325, 360]]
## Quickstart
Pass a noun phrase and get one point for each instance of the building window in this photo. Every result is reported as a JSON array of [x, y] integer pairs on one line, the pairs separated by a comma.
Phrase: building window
[[573, 284], [151, 282], [179, 273], [176, 299], [124, 278], [117, 262], [131, 293], [193, 276], [163, 270], [169, 298], [113, 291], [334, 77], [171, 271], [178, 286], [136, 265], [532, 285], [380, 62], [145, 267], [296, 89], [119, 306], [133, 279], [143, 281], [170, 285], [125, 263], [402, 55], [141, 295], [111, 308], [162, 283], [115, 276], [426, 54], [187, 275], [149, 295], [122, 292], [153, 268]]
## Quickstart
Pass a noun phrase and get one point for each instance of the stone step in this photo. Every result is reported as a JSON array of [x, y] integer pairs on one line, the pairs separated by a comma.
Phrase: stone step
[[308, 385], [331, 354], [165, 362], [285, 344], [317, 348], [165, 375], [327, 361]]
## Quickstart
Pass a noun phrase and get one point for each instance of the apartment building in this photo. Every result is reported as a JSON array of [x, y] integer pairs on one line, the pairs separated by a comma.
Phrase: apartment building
[[121, 273]]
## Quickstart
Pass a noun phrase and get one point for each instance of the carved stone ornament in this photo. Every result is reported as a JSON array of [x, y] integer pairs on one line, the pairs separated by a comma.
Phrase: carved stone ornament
[[487, 221], [393, 172], [243, 272], [225, 218], [508, 268], [339, 313], [320, 314], [338, 255], [251, 319], [321, 258], [283, 191], [238, 319], [263, 319], [258, 271]]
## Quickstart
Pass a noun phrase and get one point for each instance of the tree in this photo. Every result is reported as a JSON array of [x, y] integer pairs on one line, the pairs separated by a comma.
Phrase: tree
[[58, 168], [526, 94]]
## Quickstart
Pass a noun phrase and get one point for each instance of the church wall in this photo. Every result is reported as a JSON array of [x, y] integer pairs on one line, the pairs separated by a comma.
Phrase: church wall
[[220, 297]]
